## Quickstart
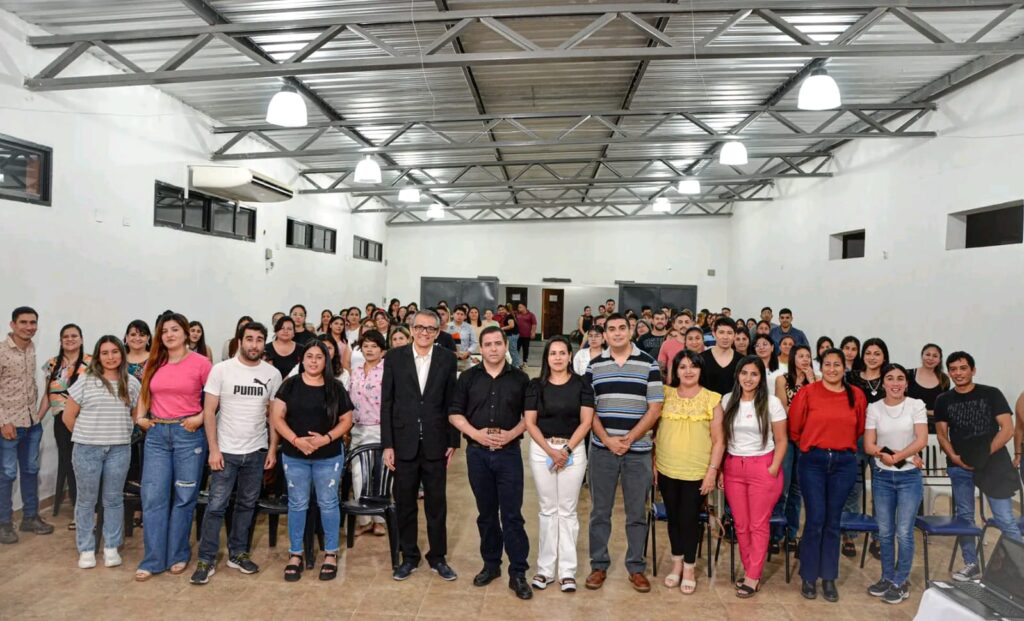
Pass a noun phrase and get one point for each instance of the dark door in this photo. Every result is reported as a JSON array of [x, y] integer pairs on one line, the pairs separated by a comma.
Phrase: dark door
[[552, 310], [516, 296]]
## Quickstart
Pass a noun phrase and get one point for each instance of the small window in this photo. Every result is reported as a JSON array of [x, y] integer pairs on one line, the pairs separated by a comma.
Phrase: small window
[[848, 245], [25, 171], [367, 249], [995, 225], [223, 216], [200, 213], [310, 236]]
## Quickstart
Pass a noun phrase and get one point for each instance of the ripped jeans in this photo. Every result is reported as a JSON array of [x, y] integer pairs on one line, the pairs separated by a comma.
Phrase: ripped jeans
[[171, 475], [325, 476]]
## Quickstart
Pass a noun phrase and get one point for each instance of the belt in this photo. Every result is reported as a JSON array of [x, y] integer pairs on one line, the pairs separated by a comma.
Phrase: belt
[[828, 450], [167, 421], [554, 440]]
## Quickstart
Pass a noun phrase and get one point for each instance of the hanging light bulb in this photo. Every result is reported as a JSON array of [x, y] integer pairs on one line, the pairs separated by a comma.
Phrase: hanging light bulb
[[409, 195], [367, 171], [733, 154], [689, 185], [818, 91], [662, 205], [435, 211], [287, 108]]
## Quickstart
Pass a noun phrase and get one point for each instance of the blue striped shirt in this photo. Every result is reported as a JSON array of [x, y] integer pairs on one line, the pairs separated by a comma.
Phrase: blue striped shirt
[[622, 394]]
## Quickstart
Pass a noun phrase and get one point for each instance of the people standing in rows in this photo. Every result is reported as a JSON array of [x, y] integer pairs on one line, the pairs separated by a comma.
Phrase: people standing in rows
[[627, 403], [928, 381], [688, 451], [850, 345], [559, 415], [311, 412], [896, 429], [526, 324], [741, 342], [973, 423], [583, 324], [651, 342], [352, 316], [595, 347], [754, 430], [230, 347], [488, 409], [303, 334], [826, 420], [240, 449], [98, 414], [718, 368], [365, 393], [170, 411], [786, 328], [197, 340], [764, 349], [400, 337], [417, 388], [62, 371], [283, 352]]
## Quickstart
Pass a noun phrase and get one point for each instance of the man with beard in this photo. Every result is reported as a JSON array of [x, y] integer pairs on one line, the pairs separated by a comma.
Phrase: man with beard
[[651, 342]]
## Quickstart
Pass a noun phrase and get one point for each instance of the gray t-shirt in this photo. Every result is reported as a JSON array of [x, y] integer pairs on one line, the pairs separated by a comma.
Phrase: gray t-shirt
[[104, 418]]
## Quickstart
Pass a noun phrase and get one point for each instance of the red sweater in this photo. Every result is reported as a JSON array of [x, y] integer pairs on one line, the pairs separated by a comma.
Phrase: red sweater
[[824, 419]]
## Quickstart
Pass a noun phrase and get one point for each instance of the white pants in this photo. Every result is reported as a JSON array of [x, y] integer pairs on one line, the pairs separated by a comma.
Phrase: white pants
[[362, 434], [558, 493]]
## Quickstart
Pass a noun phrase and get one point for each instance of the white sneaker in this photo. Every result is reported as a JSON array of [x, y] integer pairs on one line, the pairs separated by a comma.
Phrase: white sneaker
[[86, 560], [111, 558]]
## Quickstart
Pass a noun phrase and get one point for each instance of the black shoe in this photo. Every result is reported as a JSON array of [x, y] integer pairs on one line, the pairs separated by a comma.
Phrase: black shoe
[[35, 525], [243, 563], [444, 571], [793, 545], [404, 571], [7, 534], [774, 548], [829, 591], [520, 586], [202, 573], [879, 588], [849, 548], [809, 590], [487, 575], [875, 549]]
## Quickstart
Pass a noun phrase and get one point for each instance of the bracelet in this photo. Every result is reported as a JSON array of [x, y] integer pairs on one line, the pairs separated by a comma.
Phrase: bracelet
[[330, 437], [712, 467]]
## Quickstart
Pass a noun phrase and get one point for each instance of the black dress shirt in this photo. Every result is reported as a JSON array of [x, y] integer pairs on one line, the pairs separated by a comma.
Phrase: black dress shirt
[[488, 401]]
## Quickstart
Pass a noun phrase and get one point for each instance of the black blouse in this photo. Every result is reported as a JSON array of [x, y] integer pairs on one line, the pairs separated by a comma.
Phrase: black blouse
[[558, 406]]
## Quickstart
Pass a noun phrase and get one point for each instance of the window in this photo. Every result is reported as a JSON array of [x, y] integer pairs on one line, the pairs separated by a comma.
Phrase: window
[[995, 225], [367, 249], [311, 236], [848, 245], [200, 213], [25, 171]]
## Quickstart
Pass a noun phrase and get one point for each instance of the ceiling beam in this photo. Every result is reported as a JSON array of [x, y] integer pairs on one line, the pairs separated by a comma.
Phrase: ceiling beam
[[554, 205], [660, 216]]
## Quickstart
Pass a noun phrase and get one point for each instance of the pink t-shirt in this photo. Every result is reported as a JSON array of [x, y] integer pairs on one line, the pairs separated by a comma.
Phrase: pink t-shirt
[[668, 352], [176, 389]]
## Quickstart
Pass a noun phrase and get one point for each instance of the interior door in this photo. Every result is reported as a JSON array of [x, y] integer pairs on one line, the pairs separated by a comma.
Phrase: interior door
[[516, 296], [552, 310]]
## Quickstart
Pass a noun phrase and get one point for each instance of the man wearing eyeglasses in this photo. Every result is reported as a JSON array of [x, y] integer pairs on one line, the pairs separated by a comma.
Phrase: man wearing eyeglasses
[[419, 443]]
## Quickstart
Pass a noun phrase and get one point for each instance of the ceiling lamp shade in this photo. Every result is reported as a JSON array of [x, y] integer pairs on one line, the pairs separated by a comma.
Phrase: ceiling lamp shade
[[409, 195], [690, 185], [435, 211], [733, 154], [662, 205], [367, 171], [287, 108], [818, 91]]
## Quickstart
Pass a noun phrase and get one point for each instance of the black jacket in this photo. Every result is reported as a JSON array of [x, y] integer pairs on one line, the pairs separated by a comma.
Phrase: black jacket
[[404, 409]]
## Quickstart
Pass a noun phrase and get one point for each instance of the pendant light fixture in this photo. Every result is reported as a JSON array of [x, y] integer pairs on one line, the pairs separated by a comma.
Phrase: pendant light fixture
[[367, 171], [409, 195], [662, 205], [689, 185], [287, 108], [733, 154], [818, 91], [435, 211]]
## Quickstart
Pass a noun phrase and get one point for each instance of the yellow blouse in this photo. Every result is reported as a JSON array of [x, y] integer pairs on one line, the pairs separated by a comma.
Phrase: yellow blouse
[[683, 442]]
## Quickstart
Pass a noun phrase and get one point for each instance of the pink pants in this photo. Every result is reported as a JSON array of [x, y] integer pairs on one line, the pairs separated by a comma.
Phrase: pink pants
[[752, 493]]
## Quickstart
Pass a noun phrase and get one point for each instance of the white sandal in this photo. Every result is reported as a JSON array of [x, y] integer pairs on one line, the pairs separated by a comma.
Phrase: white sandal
[[672, 580], [687, 587]]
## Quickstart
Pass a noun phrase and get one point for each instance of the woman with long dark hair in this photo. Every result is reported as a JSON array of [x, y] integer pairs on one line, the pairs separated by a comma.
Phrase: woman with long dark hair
[[197, 340], [754, 428], [311, 412], [850, 345], [928, 381], [741, 342], [99, 415], [823, 344], [283, 352], [304, 334], [336, 328], [325, 322], [393, 312], [231, 345], [137, 338], [170, 411], [764, 349]]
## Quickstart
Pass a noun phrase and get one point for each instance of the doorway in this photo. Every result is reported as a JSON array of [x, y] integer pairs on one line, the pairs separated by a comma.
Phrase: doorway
[[552, 310], [516, 296]]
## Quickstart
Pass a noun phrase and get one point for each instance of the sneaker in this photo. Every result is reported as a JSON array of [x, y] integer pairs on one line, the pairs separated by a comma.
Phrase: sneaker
[[971, 571], [243, 563], [35, 525], [7, 534], [444, 571], [775, 548], [880, 588], [896, 594], [540, 582], [111, 558], [86, 560], [202, 573]]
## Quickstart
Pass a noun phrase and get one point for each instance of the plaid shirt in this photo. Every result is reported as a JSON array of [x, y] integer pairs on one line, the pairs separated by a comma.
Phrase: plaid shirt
[[19, 394]]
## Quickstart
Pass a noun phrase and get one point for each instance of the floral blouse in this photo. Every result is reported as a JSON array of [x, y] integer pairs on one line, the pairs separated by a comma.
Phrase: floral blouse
[[364, 389], [58, 388]]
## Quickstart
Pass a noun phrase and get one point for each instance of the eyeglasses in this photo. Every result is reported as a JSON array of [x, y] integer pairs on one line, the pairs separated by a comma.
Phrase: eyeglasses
[[424, 329]]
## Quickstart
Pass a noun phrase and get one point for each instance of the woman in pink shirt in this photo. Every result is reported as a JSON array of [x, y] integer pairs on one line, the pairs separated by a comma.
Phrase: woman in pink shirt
[[365, 390]]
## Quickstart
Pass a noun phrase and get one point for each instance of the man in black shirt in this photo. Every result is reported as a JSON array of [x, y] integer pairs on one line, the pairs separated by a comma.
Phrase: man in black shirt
[[652, 341], [719, 370], [488, 409]]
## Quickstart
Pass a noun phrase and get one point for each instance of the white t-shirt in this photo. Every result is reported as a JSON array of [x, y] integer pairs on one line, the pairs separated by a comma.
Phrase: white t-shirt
[[774, 375], [745, 439], [894, 426], [244, 393]]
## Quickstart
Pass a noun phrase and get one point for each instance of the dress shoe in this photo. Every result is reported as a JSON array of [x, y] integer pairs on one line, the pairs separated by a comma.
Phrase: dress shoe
[[404, 571], [520, 586], [596, 579], [486, 576], [829, 591], [809, 590], [640, 582]]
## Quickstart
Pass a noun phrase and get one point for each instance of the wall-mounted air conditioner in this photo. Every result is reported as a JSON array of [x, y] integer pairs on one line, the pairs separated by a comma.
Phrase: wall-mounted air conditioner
[[238, 184]]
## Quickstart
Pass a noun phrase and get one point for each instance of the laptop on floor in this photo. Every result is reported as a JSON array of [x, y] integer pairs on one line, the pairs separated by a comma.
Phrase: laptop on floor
[[1000, 593]]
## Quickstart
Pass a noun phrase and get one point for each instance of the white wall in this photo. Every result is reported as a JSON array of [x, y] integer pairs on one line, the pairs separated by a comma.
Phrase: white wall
[[109, 147], [908, 289]]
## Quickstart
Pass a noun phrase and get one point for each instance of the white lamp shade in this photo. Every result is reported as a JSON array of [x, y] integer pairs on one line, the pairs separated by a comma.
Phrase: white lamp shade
[[367, 171], [287, 109], [662, 205], [435, 211], [818, 92], [409, 195], [689, 186], [733, 154]]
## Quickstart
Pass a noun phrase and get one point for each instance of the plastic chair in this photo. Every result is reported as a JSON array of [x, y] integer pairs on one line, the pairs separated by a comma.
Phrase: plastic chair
[[374, 494], [936, 480], [860, 522]]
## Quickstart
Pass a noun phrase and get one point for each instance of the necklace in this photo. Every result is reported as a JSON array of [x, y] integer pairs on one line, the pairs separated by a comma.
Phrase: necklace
[[903, 404], [874, 387]]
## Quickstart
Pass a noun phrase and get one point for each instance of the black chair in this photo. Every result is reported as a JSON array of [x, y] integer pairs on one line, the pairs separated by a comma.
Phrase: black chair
[[374, 494], [860, 522], [946, 526], [656, 512]]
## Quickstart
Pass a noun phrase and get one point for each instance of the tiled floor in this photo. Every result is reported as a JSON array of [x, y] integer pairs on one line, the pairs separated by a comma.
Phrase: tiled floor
[[40, 580]]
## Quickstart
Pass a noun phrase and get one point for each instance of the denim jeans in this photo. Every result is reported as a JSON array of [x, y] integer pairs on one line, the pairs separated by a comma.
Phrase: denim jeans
[[963, 498], [825, 480], [21, 453], [171, 474], [897, 497], [788, 504], [513, 349], [100, 468], [496, 478], [246, 473], [325, 477]]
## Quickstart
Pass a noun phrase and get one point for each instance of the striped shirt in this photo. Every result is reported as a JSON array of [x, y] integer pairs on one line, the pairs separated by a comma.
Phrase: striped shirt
[[104, 418], [622, 394]]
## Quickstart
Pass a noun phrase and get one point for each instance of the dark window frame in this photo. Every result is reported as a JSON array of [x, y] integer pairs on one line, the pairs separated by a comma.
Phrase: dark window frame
[[367, 249], [853, 237], [167, 191], [45, 154], [330, 237], [993, 231]]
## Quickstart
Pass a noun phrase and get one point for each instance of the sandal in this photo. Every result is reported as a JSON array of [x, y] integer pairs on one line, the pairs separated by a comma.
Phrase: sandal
[[745, 591], [672, 580], [379, 530], [71, 525], [329, 571], [141, 575], [178, 568], [293, 571], [687, 587]]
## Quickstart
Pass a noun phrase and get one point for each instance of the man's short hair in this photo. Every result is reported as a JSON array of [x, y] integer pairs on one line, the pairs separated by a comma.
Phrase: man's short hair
[[609, 300], [726, 322], [428, 312], [726, 308], [615, 317], [491, 330], [23, 310], [766, 308], [254, 326], [785, 311], [958, 356]]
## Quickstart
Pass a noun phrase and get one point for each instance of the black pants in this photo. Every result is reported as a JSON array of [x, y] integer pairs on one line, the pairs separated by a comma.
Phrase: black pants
[[524, 347], [497, 481], [408, 476], [683, 502], [65, 471]]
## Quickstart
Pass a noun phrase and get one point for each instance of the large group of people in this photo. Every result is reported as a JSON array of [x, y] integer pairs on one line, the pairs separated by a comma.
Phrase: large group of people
[[688, 403]]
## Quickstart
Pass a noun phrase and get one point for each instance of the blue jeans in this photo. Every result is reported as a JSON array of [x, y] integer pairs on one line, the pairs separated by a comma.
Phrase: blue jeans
[[325, 476], [21, 453], [513, 349], [963, 498], [171, 474], [246, 473], [825, 480], [496, 478], [788, 504], [95, 466], [897, 497]]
